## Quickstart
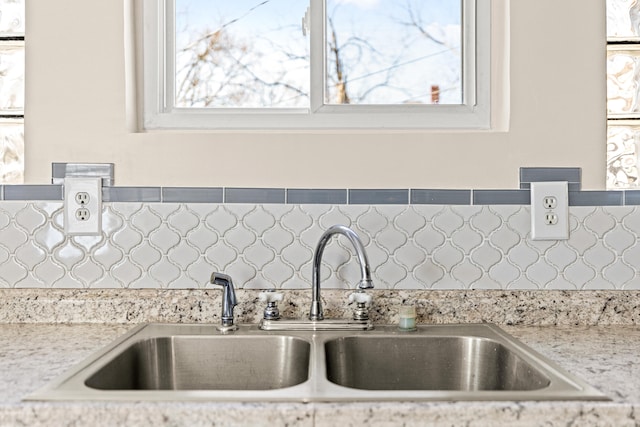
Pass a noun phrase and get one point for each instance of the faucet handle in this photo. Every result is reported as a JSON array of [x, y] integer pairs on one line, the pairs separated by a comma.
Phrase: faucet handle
[[271, 297], [360, 298]]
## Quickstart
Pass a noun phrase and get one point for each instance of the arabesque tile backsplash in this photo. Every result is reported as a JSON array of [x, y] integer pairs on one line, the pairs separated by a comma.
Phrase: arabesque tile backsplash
[[178, 245]]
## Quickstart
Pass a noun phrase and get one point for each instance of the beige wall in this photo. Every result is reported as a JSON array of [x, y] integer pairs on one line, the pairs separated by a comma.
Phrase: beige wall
[[76, 112]]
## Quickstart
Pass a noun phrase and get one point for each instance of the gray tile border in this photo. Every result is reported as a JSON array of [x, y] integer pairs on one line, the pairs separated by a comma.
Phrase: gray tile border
[[632, 198], [440, 197], [131, 194], [33, 192], [378, 197], [316, 196], [596, 198], [572, 186], [192, 195], [254, 195], [103, 170], [535, 174], [501, 197]]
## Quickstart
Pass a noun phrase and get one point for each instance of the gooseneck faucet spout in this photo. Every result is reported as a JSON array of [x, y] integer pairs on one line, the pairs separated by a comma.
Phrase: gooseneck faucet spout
[[316, 312]]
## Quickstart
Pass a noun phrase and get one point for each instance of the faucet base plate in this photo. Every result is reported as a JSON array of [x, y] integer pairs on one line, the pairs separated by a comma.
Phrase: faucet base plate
[[315, 325]]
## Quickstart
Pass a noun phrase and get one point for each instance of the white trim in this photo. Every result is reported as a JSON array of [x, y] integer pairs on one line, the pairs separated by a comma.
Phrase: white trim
[[160, 113]]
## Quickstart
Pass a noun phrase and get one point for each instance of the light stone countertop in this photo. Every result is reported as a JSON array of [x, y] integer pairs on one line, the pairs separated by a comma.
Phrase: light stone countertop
[[605, 356]]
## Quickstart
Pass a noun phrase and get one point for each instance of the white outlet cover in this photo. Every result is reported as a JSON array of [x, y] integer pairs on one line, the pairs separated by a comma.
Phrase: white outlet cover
[[93, 225], [540, 230]]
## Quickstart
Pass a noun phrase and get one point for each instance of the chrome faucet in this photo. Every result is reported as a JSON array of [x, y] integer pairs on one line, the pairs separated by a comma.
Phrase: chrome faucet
[[316, 313], [228, 301]]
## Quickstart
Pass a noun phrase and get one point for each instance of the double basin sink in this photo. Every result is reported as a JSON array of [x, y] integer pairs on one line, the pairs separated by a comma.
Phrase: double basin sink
[[436, 362]]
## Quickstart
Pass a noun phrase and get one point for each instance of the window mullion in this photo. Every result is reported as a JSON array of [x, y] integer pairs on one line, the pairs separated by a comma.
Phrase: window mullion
[[317, 55], [469, 68], [169, 72]]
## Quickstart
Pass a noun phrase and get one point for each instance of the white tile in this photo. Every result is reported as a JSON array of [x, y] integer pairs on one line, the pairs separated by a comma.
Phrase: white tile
[[68, 255], [202, 238], [486, 221], [165, 273], [504, 273], [619, 239], [30, 254], [486, 256], [259, 255], [448, 256], [410, 221], [87, 271], [599, 222], [391, 240], [372, 222], [466, 238], [561, 255], [448, 221], [618, 273], [126, 273], [541, 273], [278, 238], [297, 221], [278, 273], [183, 221], [48, 272], [579, 274], [30, 219], [145, 256], [220, 256], [259, 221], [12, 237], [183, 255], [221, 221], [239, 238], [466, 272], [146, 221], [164, 239], [179, 245], [599, 256]]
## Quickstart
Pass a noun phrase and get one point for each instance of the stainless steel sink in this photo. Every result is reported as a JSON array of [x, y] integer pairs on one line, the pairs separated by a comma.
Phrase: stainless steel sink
[[429, 363], [436, 362], [206, 363]]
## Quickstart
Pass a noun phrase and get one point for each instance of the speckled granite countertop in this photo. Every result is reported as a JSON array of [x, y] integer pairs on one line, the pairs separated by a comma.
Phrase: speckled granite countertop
[[593, 335], [605, 356]]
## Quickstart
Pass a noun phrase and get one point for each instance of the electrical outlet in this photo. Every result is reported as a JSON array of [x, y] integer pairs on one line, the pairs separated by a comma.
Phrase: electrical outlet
[[83, 214], [82, 197], [550, 210], [549, 202], [551, 219], [83, 206]]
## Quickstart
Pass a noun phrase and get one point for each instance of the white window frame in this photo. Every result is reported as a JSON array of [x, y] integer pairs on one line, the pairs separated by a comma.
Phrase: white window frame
[[159, 71]]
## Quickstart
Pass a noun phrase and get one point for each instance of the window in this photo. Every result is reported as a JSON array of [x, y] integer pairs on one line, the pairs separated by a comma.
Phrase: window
[[290, 64], [623, 93], [11, 91]]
